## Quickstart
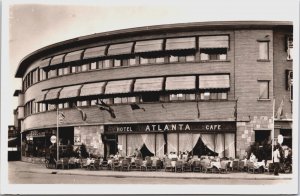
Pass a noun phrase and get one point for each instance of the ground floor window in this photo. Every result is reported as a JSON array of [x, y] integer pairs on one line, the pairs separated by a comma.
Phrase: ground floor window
[[158, 144]]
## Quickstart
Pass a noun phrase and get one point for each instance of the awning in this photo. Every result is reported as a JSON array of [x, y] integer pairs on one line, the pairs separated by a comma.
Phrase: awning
[[118, 49], [148, 84], [73, 56], [94, 52], [41, 97], [221, 41], [52, 94], [69, 92], [149, 46], [120, 86], [181, 43], [44, 63], [181, 83], [214, 82], [92, 89], [57, 60]]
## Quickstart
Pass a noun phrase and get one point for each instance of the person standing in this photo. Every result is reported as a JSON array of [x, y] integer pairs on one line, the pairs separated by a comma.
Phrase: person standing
[[276, 160]]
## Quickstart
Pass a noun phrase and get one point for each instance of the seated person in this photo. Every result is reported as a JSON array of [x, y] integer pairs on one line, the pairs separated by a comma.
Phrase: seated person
[[172, 156], [117, 155], [252, 158]]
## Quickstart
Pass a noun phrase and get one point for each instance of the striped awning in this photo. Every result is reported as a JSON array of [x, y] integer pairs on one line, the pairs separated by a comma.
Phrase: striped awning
[[118, 49], [44, 63], [148, 84], [181, 83], [214, 82], [69, 92], [221, 41], [73, 56], [120, 86], [94, 52], [52, 94], [92, 89], [57, 60], [149, 46], [41, 98], [181, 43]]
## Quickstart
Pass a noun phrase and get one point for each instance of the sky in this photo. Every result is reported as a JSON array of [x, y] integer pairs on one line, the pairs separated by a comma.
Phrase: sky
[[32, 25]]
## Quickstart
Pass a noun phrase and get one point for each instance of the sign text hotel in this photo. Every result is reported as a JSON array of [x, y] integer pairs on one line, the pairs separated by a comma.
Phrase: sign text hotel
[[173, 127]]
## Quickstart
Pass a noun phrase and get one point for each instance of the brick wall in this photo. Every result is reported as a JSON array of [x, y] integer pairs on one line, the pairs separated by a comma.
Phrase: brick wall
[[280, 65], [248, 71]]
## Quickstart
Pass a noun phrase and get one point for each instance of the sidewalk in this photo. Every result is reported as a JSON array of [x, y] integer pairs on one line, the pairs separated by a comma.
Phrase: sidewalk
[[19, 166]]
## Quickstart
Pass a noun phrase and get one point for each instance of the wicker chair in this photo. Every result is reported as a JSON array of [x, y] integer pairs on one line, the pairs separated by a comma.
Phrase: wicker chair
[[116, 165], [65, 163], [187, 167], [179, 166], [206, 165], [95, 165], [72, 163], [156, 164], [104, 165], [138, 164], [241, 165], [235, 165], [148, 165], [224, 166], [197, 166], [168, 166], [125, 165]]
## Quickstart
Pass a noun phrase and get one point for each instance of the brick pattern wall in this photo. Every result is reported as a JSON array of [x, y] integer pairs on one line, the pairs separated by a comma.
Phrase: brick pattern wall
[[246, 132], [248, 71], [163, 112], [280, 65]]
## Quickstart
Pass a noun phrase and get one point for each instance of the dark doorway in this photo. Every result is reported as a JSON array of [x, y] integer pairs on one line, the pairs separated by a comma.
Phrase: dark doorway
[[201, 149], [66, 135], [145, 151], [262, 136]]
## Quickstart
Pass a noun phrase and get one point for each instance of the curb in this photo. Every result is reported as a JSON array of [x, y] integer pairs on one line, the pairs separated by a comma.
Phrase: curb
[[57, 172]]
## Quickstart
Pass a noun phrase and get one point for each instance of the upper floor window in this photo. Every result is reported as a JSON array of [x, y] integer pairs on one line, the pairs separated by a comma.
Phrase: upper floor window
[[263, 47], [289, 47], [263, 90], [107, 63], [213, 47], [93, 65], [52, 73], [213, 95], [84, 67]]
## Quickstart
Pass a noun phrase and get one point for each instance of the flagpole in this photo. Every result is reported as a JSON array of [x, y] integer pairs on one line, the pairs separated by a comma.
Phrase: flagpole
[[273, 129], [57, 134]]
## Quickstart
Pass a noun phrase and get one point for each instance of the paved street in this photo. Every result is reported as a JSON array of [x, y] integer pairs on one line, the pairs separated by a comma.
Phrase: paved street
[[26, 173]]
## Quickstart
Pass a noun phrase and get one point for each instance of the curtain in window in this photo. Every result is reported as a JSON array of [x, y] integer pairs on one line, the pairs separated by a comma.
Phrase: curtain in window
[[149, 141], [229, 145], [185, 142], [208, 140], [122, 141], [219, 144], [172, 142], [195, 139], [160, 142], [134, 141]]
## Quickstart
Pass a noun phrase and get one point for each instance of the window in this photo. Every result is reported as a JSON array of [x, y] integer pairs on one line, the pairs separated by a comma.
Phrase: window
[[132, 61], [66, 70], [93, 102], [291, 92], [263, 50], [149, 97], [66, 105], [84, 67], [160, 60], [144, 60], [51, 107], [213, 54], [60, 71], [173, 59], [117, 100], [263, 89], [190, 58], [100, 64], [213, 96], [60, 106], [93, 65], [73, 69], [131, 99], [117, 63], [108, 101], [42, 75], [52, 73], [107, 63], [289, 46]]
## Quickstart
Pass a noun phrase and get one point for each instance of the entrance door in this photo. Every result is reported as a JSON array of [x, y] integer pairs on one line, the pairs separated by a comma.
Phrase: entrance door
[[262, 136]]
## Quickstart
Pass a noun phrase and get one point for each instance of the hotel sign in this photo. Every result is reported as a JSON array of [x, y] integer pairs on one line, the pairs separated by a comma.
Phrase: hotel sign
[[173, 127]]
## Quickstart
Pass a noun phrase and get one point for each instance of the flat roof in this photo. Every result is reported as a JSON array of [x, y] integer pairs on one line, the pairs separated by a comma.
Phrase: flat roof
[[156, 29]]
